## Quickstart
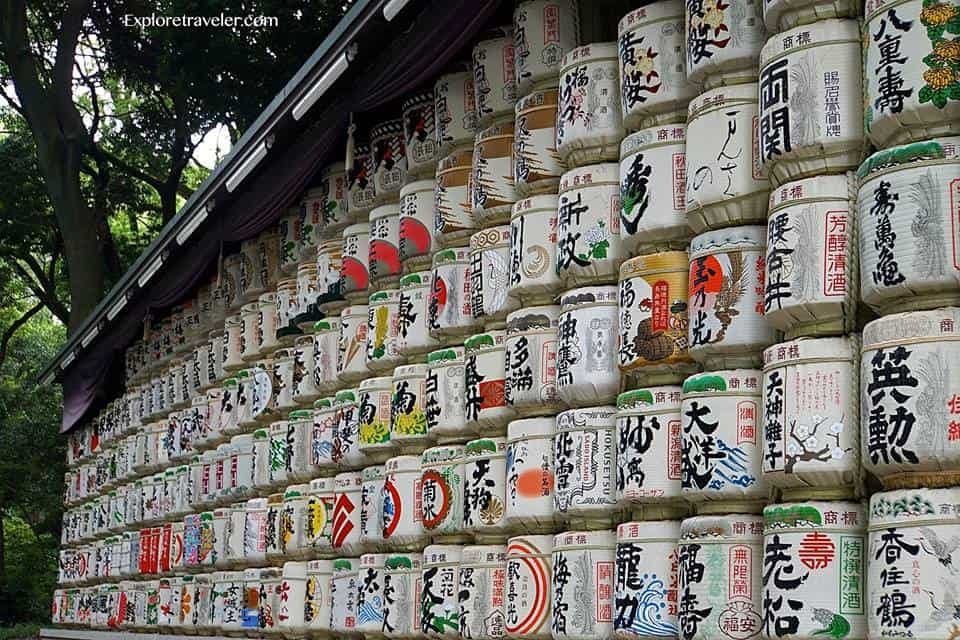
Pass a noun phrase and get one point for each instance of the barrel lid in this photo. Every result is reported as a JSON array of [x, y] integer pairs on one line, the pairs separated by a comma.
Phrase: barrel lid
[[434, 554], [720, 97], [261, 434], [650, 398], [914, 507], [374, 472], [348, 480], [256, 503], [946, 148], [582, 539], [939, 324], [485, 448], [399, 561], [745, 381], [295, 570], [295, 491], [655, 263], [345, 396], [449, 355], [296, 415], [527, 545], [358, 229], [532, 318], [280, 426], [385, 296], [323, 403], [662, 135], [733, 238], [345, 565], [457, 159], [385, 211], [393, 126], [490, 238], [805, 350], [498, 129], [592, 52], [532, 204], [484, 341], [451, 256], [805, 516], [588, 295], [416, 186], [830, 187], [443, 453], [322, 485], [483, 554], [326, 566], [655, 12], [586, 418], [591, 175], [410, 371], [531, 427], [417, 279], [418, 99], [402, 463], [832, 31], [733, 527], [382, 383]]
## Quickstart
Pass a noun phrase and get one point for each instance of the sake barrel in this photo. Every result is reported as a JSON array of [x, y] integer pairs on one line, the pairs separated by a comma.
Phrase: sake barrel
[[409, 429], [307, 293], [420, 134], [354, 268], [375, 398], [537, 164], [720, 458], [288, 308], [361, 192], [229, 407], [439, 591], [530, 477], [780, 15], [292, 530], [814, 568], [413, 334], [492, 191], [249, 350], [810, 284], [401, 515], [483, 576], [583, 585], [346, 435], [389, 160], [810, 432], [911, 85], [445, 404], [416, 233], [653, 190], [645, 597], [346, 512], [304, 387], [255, 531], [720, 561], [449, 312], [248, 286], [289, 230], [293, 587], [323, 435], [649, 450], [727, 327], [269, 600], [371, 507], [334, 199], [352, 344], [344, 590], [653, 81], [453, 206], [442, 491], [484, 374], [909, 253], [455, 110], [653, 318], [494, 81], [543, 30], [586, 346], [311, 207], [819, 67], [318, 595], [584, 463], [490, 276], [319, 516], [329, 264], [326, 338], [531, 361], [910, 432], [236, 535], [533, 250], [401, 612], [370, 594], [723, 42], [527, 592], [589, 121], [283, 369], [382, 346], [384, 249], [589, 247]]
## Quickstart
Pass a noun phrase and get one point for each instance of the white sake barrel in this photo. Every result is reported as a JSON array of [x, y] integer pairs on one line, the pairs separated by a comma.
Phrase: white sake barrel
[[298, 442], [420, 134], [725, 182], [229, 407], [446, 406], [248, 286], [409, 429], [289, 230], [531, 361], [490, 276], [313, 222], [307, 291], [383, 331], [492, 191], [374, 405], [589, 120], [326, 338], [653, 322], [236, 533], [439, 591], [449, 311], [537, 165], [291, 531], [814, 568], [255, 531], [346, 512], [323, 434], [583, 585], [329, 265], [361, 192], [455, 110], [589, 246], [587, 371], [389, 160], [334, 201], [249, 350], [811, 266], [401, 612], [810, 430], [653, 171], [269, 600], [352, 347], [401, 514], [527, 592], [442, 490], [484, 488], [723, 42], [543, 30], [318, 593], [483, 576], [911, 84], [453, 206], [530, 477], [416, 231], [370, 593], [533, 250], [485, 400], [318, 520], [653, 75], [371, 507], [909, 238], [722, 459], [354, 267], [494, 81], [720, 562], [263, 461], [584, 463], [291, 614], [645, 597], [384, 250], [909, 385], [287, 309], [413, 334], [344, 591], [819, 67], [649, 446], [727, 327], [780, 15], [303, 386]]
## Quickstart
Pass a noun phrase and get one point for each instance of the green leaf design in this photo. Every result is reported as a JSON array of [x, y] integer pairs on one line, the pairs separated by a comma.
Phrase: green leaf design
[[953, 26], [940, 98], [954, 91], [926, 93], [935, 33], [599, 250]]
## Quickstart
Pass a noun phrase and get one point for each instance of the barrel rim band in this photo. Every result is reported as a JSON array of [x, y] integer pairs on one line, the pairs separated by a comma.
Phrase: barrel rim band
[[724, 104], [874, 346], [762, 63]]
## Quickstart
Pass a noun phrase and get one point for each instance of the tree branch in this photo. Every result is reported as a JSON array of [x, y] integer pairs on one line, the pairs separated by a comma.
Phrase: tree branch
[[14, 327]]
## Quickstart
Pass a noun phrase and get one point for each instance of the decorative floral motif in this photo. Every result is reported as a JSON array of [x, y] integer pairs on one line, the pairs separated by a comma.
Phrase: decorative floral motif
[[942, 77]]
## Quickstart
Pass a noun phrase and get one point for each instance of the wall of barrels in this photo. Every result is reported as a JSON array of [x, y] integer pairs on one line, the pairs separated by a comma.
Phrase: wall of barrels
[[651, 338]]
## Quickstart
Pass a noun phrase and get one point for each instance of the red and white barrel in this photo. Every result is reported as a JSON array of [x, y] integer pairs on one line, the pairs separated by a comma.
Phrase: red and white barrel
[[417, 241], [527, 595], [383, 255], [420, 134], [346, 512], [531, 361], [494, 80], [723, 42], [449, 312], [533, 250], [485, 399], [530, 477], [354, 264], [589, 120], [589, 245], [537, 164], [583, 585], [780, 15], [543, 30], [441, 489], [402, 518]]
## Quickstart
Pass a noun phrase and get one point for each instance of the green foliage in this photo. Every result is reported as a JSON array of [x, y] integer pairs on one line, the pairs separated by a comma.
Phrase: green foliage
[[31, 573], [18, 631]]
